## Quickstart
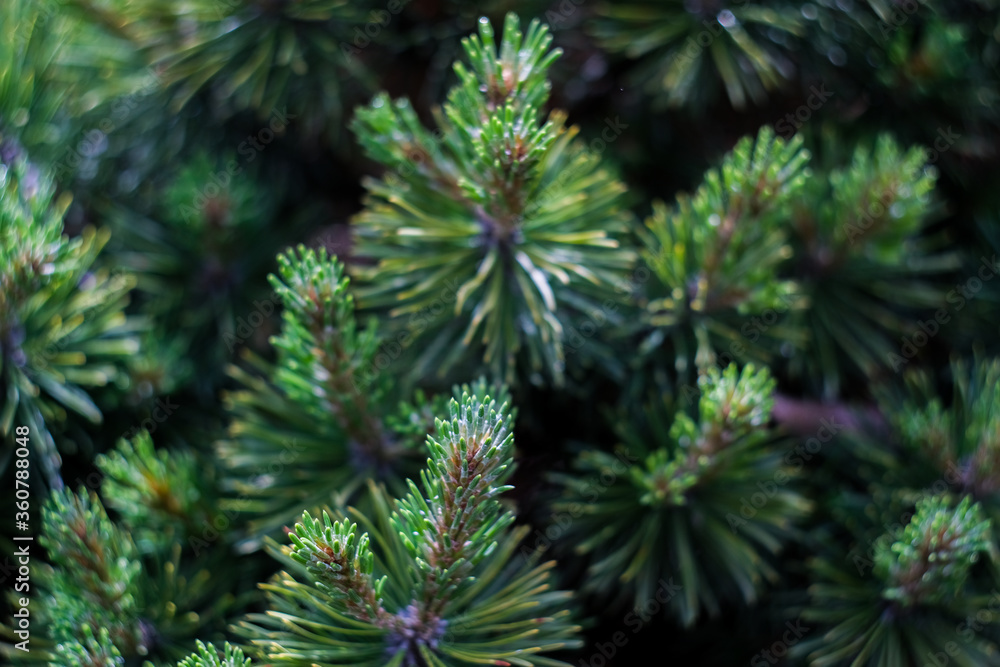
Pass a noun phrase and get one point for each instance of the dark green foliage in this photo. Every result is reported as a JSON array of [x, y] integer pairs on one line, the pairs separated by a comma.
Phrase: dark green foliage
[[689, 48], [30, 48], [906, 598], [490, 233], [715, 260], [162, 496], [866, 269], [62, 325], [132, 580], [433, 580], [248, 54], [683, 504], [89, 652], [940, 445], [324, 410], [209, 236], [801, 351]]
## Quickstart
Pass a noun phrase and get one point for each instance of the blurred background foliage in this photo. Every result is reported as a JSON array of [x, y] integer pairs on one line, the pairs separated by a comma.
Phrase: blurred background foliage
[[158, 155]]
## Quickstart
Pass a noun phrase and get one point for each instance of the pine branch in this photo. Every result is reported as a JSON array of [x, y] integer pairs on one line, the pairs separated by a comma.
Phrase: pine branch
[[717, 260], [492, 233], [446, 587], [748, 55], [208, 656], [677, 505], [458, 515], [90, 651], [322, 351], [249, 55], [62, 325], [867, 266], [96, 573], [908, 591], [932, 558], [147, 606], [341, 563], [326, 409], [161, 496]]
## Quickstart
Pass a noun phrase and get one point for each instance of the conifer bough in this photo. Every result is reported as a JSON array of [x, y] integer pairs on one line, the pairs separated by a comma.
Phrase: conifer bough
[[444, 589], [62, 320], [322, 420], [491, 233], [910, 601], [681, 509], [716, 259]]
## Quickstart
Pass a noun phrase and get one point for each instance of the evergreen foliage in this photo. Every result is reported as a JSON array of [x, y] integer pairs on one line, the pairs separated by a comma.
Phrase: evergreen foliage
[[491, 232], [246, 55], [911, 597], [444, 587], [716, 260], [162, 496], [130, 581], [62, 321], [191, 258], [207, 656], [735, 262], [685, 505], [869, 269], [326, 409], [689, 48]]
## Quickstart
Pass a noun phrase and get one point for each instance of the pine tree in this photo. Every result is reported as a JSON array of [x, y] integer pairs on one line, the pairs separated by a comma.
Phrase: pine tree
[[769, 406], [207, 656], [906, 599], [717, 258], [870, 270], [246, 55], [690, 48]]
